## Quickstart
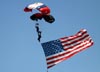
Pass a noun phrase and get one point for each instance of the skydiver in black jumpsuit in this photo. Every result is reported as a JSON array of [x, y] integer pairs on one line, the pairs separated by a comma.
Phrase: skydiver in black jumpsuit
[[39, 36], [39, 32]]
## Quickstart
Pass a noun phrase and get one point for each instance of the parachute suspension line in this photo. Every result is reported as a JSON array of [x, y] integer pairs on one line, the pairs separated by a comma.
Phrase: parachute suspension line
[[38, 31]]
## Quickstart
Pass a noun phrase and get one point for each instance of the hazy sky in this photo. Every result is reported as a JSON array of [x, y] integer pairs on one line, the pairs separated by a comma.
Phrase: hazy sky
[[21, 52]]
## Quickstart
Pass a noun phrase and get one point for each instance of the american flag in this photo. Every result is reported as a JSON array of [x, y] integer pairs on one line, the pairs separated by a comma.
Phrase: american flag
[[61, 49]]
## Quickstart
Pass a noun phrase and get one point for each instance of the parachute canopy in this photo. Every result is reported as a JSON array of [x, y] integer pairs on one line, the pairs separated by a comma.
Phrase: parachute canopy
[[39, 6], [39, 16], [44, 12]]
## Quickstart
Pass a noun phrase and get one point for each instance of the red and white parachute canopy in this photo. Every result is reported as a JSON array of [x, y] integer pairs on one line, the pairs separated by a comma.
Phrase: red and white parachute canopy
[[39, 6]]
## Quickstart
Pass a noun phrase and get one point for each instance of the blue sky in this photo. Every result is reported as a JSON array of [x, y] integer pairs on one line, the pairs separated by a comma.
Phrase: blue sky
[[21, 52]]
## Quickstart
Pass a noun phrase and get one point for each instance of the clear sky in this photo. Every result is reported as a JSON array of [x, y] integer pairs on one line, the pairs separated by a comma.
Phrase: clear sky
[[21, 52]]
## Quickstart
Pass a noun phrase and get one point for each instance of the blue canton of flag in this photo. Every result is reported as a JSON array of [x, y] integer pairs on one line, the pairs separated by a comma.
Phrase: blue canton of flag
[[52, 47]]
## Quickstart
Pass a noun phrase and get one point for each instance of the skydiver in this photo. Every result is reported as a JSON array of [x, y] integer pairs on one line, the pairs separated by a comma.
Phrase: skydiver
[[38, 32], [39, 36]]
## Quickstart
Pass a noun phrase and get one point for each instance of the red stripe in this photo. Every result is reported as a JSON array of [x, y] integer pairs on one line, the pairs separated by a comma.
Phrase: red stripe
[[51, 66]]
